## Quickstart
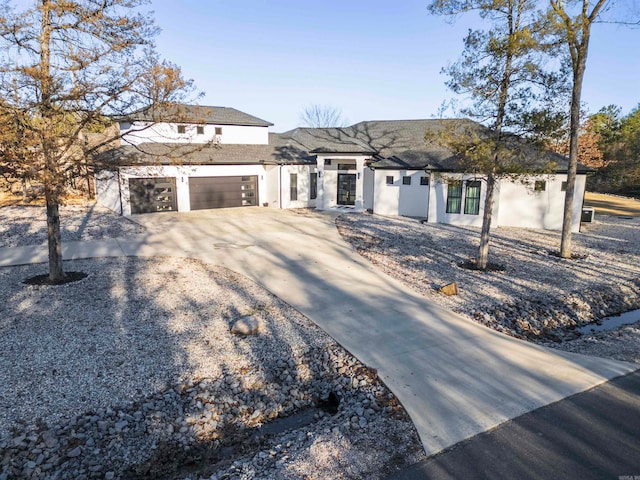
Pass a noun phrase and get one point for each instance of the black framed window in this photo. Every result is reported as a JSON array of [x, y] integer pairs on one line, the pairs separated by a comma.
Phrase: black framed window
[[293, 186], [218, 130], [200, 130], [313, 186], [182, 129], [472, 198], [563, 187], [454, 197], [346, 166], [424, 180], [406, 180], [389, 179]]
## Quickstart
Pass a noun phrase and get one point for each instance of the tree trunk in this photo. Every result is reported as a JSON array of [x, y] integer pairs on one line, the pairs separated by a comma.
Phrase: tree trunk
[[52, 176], [574, 132], [54, 239], [483, 251]]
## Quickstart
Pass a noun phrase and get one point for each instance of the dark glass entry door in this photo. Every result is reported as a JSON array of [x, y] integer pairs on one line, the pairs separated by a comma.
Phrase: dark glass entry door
[[346, 189]]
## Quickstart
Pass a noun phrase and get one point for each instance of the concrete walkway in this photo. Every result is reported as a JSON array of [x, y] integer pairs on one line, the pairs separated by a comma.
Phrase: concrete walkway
[[455, 378]]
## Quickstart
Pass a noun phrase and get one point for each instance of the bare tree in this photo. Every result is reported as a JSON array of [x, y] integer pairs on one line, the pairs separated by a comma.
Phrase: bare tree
[[65, 66], [574, 19], [322, 116]]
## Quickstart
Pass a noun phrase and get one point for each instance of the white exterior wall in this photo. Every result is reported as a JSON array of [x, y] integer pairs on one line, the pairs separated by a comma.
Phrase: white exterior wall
[[328, 180], [399, 199], [521, 206], [516, 204], [387, 197], [140, 132], [438, 212], [273, 186], [106, 190], [303, 172]]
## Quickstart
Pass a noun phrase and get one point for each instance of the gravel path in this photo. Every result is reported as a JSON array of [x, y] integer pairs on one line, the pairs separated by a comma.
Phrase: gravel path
[[132, 372], [538, 296], [27, 225]]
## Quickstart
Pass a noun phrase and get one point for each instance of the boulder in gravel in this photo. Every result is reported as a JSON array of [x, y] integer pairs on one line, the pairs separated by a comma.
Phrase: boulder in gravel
[[449, 289], [247, 326]]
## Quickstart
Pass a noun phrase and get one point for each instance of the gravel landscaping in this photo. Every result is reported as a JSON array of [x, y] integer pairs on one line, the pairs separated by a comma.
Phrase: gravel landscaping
[[538, 296], [133, 372], [22, 225]]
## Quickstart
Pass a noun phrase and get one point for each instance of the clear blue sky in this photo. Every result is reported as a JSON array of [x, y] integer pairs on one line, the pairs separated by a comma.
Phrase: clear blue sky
[[372, 59]]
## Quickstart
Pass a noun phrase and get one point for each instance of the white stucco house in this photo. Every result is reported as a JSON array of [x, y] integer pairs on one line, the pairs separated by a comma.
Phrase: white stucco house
[[217, 157]]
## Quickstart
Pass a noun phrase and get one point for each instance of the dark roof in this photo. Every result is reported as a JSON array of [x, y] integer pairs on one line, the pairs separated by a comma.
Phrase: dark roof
[[196, 114], [393, 144], [326, 140], [208, 154]]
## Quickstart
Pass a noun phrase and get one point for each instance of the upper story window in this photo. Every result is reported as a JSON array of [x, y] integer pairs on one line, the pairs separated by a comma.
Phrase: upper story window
[[218, 130], [200, 130], [406, 180], [389, 179], [424, 180], [182, 129]]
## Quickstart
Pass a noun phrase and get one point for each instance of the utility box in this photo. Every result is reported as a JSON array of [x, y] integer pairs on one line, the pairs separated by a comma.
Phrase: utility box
[[588, 214]]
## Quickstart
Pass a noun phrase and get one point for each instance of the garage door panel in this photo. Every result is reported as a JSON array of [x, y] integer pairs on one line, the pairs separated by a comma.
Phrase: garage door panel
[[223, 192], [153, 194]]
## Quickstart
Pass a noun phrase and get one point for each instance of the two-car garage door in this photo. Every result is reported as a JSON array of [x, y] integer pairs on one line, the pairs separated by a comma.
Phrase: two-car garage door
[[223, 192]]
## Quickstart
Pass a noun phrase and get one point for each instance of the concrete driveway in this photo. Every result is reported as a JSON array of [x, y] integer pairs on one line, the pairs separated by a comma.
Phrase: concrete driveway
[[455, 378]]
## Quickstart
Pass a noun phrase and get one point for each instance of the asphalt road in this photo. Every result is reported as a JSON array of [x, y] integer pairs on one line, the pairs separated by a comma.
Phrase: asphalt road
[[591, 435]]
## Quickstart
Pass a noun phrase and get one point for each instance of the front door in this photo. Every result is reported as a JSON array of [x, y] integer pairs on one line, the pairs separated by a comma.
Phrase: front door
[[346, 189]]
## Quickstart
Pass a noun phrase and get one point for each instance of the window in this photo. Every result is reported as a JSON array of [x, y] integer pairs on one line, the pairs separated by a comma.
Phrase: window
[[540, 186], [563, 187], [327, 161], [182, 129], [472, 198], [424, 180], [293, 186], [454, 197], [406, 180], [346, 166], [313, 186], [218, 130], [200, 130], [389, 179]]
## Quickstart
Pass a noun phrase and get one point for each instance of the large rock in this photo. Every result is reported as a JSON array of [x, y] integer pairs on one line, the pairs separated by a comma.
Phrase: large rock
[[449, 289], [247, 326]]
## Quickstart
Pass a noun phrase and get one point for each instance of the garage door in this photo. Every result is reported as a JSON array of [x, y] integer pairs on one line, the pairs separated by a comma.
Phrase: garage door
[[222, 192], [150, 195]]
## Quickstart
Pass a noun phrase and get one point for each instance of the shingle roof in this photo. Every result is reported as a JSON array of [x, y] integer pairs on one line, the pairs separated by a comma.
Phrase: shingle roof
[[393, 144], [197, 114], [276, 152], [326, 140]]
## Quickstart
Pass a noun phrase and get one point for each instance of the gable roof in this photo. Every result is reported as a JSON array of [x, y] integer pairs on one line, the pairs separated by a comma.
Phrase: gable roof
[[196, 114], [402, 144]]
